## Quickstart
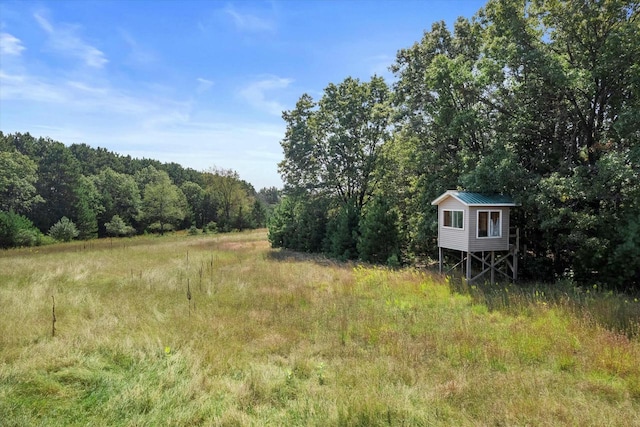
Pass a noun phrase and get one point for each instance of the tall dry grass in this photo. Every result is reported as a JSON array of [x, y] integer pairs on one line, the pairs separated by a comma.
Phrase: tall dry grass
[[276, 338]]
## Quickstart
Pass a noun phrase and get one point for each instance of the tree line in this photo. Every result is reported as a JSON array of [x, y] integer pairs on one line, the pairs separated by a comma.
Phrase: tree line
[[538, 99], [50, 190]]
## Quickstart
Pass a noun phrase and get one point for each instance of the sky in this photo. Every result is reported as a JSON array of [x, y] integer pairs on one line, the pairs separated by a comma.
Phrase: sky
[[200, 83]]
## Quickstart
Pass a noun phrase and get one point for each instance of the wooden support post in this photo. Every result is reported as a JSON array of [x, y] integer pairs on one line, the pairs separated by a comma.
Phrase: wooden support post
[[493, 268], [468, 267], [440, 258], [515, 255]]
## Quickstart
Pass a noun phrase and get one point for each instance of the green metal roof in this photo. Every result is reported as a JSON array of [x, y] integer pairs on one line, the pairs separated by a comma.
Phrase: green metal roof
[[477, 199], [484, 199]]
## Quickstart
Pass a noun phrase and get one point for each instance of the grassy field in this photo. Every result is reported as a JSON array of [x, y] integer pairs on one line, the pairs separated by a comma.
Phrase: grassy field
[[269, 337]]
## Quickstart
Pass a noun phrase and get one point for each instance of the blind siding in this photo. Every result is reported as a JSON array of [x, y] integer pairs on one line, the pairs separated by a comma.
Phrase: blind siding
[[492, 243], [453, 238]]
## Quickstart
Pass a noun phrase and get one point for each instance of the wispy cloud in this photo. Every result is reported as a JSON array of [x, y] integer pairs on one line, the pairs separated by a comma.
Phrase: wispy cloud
[[10, 45], [63, 39], [204, 85], [23, 87], [256, 94], [72, 95], [249, 22], [138, 54]]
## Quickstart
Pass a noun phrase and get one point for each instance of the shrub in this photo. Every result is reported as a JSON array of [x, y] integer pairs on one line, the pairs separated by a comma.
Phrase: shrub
[[211, 227], [117, 227], [28, 237], [64, 230], [193, 230], [17, 230], [156, 228], [394, 261]]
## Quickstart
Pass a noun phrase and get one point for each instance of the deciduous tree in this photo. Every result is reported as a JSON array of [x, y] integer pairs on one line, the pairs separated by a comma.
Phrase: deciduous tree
[[17, 190], [163, 202]]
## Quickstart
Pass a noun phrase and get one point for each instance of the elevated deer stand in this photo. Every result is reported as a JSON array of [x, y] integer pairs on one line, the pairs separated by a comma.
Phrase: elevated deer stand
[[477, 226]]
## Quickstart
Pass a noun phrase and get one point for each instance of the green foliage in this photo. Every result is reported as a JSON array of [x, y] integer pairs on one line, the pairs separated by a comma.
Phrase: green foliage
[[150, 175], [299, 224], [537, 100], [343, 233], [158, 227], [332, 150], [59, 176], [119, 195], [258, 216], [230, 198], [88, 208], [194, 195], [379, 239], [311, 224], [163, 203], [211, 227], [17, 190], [17, 230], [45, 180], [64, 230], [270, 196], [117, 227], [532, 99], [282, 224], [589, 219], [332, 147], [540, 100]]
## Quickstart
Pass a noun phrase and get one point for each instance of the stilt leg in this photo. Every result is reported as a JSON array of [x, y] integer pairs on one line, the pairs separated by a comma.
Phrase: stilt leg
[[493, 268]]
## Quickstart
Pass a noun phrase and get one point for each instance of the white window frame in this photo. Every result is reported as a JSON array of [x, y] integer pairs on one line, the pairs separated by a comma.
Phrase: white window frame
[[489, 226], [452, 219]]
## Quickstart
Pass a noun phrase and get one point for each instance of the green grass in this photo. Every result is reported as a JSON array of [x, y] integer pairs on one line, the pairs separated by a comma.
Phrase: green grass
[[276, 338]]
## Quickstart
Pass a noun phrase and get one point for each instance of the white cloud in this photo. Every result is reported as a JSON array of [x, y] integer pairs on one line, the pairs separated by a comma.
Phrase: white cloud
[[151, 126], [76, 96], [249, 22], [10, 45], [83, 87], [63, 39], [23, 87], [44, 23], [204, 84], [255, 94]]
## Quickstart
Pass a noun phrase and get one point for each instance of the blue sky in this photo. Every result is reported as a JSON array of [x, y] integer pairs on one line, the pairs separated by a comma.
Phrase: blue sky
[[199, 83]]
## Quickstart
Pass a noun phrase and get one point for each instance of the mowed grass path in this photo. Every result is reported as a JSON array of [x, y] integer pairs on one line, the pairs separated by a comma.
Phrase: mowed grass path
[[274, 338]]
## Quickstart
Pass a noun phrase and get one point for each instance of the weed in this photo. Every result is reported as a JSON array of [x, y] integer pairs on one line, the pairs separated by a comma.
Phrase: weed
[[53, 316]]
